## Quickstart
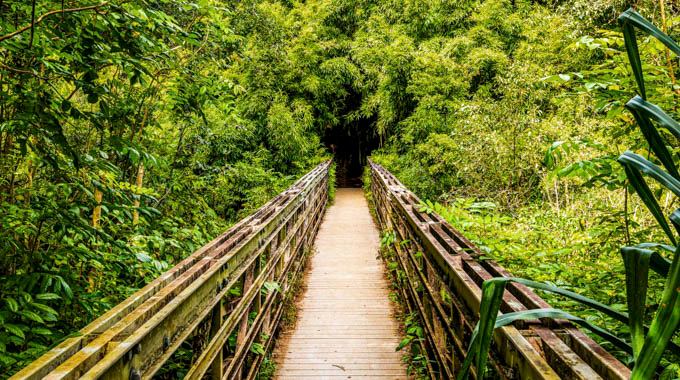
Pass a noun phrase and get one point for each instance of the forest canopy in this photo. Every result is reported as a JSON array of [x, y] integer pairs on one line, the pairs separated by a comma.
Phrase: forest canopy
[[134, 131]]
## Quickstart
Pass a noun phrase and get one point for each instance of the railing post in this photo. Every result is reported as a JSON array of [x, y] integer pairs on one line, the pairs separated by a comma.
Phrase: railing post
[[272, 277], [243, 327], [217, 367]]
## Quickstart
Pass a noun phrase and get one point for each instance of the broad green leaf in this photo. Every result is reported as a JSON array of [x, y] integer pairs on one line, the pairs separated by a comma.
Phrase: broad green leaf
[[31, 315], [143, 257], [14, 329], [44, 308], [65, 287], [404, 342], [41, 331], [48, 296], [272, 286], [12, 304]]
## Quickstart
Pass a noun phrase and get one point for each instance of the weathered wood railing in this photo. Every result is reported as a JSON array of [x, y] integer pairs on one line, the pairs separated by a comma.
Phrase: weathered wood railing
[[442, 283], [194, 300]]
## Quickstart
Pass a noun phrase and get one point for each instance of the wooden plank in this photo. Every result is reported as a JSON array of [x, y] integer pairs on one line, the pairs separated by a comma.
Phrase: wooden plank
[[346, 325]]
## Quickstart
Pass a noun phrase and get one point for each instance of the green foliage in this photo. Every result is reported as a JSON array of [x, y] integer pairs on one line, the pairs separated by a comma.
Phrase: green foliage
[[414, 334], [126, 143], [221, 106], [648, 343], [267, 369]]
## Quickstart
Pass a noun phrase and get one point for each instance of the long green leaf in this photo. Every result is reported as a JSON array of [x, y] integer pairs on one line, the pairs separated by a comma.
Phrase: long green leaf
[[636, 262], [634, 56], [633, 18], [509, 318], [663, 327], [649, 168], [492, 295], [629, 20], [656, 143], [506, 319], [615, 314], [658, 263], [638, 183], [674, 217], [619, 316], [655, 113]]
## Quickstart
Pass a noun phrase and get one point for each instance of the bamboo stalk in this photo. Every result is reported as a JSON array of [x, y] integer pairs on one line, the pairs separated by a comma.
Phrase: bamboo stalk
[[96, 214], [140, 181], [668, 53]]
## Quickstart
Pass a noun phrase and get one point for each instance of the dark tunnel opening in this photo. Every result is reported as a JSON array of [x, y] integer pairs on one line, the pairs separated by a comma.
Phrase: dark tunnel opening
[[351, 145]]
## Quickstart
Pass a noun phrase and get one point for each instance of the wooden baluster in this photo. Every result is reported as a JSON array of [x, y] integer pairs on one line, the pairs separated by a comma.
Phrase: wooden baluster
[[267, 318], [243, 328], [217, 367]]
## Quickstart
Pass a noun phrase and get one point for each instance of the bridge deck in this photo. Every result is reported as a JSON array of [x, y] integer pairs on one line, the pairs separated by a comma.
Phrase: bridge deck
[[346, 326]]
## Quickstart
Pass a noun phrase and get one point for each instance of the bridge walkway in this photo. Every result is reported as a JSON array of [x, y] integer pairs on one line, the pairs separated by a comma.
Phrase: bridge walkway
[[346, 326]]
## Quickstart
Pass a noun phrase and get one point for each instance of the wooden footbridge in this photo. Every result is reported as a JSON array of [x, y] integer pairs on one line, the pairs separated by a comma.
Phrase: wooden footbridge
[[227, 299]]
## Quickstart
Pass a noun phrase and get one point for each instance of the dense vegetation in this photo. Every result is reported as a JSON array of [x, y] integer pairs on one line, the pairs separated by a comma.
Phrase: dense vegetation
[[133, 131]]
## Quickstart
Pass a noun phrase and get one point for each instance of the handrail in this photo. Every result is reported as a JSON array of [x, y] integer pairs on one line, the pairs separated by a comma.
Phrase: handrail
[[134, 339], [442, 283]]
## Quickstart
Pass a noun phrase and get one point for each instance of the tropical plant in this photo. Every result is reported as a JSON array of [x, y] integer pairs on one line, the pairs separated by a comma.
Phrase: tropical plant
[[647, 343]]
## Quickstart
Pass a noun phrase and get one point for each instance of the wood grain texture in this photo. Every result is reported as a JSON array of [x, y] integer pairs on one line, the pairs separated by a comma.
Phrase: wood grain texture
[[346, 326]]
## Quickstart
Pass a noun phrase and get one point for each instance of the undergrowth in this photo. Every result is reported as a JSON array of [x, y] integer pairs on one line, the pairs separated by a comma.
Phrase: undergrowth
[[416, 360]]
